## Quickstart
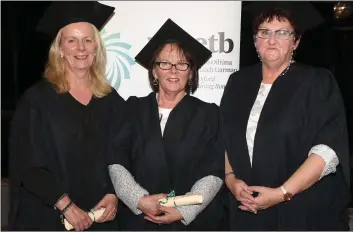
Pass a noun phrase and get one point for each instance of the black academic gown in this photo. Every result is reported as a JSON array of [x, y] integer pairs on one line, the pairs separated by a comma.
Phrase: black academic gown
[[188, 151], [303, 109], [68, 140]]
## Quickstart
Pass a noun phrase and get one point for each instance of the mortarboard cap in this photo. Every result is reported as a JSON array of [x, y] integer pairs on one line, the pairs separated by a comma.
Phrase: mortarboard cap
[[61, 13], [170, 31], [304, 14]]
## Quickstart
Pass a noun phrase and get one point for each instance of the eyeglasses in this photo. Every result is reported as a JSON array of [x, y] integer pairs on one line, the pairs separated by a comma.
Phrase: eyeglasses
[[280, 34], [167, 65]]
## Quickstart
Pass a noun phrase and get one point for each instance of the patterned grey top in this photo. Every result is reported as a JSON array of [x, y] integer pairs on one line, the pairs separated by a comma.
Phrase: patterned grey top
[[126, 188], [324, 151], [208, 187], [130, 192]]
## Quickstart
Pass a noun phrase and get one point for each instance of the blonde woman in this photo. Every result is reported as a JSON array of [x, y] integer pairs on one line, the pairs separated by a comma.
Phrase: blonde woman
[[60, 130]]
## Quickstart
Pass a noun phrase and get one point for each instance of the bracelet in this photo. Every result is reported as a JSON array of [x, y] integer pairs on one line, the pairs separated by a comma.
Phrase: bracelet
[[228, 173], [67, 207], [60, 198]]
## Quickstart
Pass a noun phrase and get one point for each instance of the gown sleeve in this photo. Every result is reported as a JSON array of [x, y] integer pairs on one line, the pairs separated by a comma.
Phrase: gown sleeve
[[121, 141], [124, 184], [211, 169], [32, 154], [213, 159], [117, 117], [41, 182], [326, 118]]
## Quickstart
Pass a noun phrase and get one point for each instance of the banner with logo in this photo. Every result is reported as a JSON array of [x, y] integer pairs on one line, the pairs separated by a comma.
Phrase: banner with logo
[[215, 24]]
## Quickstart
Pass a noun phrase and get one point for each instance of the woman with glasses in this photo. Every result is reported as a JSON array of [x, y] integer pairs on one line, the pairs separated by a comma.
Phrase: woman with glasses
[[170, 142], [285, 133]]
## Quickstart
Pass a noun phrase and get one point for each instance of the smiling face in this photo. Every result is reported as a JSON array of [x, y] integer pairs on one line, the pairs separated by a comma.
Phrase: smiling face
[[172, 80], [78, 46], [273, 50]]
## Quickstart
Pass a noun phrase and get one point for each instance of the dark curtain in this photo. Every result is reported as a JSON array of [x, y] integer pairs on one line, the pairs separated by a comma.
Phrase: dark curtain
[[23, 57]]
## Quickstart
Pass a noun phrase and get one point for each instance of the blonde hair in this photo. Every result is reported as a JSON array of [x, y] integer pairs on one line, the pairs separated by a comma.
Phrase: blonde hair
[[55, 70]]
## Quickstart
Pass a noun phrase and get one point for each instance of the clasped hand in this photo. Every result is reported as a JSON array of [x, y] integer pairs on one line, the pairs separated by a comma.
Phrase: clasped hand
[[266, 197], [80, 220], [156, 213]]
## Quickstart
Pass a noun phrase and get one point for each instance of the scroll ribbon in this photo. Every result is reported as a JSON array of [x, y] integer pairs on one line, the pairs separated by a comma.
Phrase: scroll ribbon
[[170, 195]]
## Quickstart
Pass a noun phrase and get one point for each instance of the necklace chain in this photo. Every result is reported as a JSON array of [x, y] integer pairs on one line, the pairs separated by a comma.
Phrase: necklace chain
[[286, 70]]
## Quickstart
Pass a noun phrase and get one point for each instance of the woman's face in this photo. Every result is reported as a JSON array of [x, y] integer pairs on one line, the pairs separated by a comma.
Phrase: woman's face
[[272, 48], [171, 80], [78, 46]]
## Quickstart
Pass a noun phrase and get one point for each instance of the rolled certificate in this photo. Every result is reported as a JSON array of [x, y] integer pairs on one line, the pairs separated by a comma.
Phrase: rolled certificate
[[94, 215], [171, 201]]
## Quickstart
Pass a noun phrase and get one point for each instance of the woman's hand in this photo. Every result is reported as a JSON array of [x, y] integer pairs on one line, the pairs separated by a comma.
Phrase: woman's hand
[[267, 196], [110, 203], [241, 192], [148, 204], [78, 218], [168, 215]]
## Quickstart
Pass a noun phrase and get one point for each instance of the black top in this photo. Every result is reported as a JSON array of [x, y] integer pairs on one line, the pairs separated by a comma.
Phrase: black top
[[64, 143], [189, 150], [304, 108]]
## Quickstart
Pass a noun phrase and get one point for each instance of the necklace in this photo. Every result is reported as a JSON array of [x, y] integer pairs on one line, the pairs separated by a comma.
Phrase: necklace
[[286, 70]]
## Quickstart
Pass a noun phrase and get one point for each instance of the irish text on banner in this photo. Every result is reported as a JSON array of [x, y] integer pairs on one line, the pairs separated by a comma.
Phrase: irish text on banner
[[216, 24]]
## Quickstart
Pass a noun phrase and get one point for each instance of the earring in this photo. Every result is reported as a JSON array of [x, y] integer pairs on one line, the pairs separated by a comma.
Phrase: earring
[[258, 55], [291, 57], [155, 81], [257, 52]]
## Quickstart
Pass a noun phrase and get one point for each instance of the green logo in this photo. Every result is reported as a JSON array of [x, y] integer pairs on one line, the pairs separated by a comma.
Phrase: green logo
[[118, 59]]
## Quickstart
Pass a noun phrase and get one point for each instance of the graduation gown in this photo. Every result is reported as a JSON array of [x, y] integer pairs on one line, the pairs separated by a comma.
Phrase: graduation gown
[[68, 142], [303, 109], [189, 150]]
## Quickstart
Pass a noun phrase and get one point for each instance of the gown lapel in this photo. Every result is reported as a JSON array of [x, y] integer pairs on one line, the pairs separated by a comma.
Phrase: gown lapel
[[176, 136], [154, 132], [271, 124], [243, 95]]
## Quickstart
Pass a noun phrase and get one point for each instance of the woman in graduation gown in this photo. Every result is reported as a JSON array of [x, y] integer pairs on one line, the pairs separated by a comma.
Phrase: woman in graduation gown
[[170, 141], [285, 131], [60, 131]]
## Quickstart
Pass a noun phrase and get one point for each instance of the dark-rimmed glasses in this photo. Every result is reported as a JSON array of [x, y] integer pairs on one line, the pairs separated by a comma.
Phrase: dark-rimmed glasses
[[165, 65]]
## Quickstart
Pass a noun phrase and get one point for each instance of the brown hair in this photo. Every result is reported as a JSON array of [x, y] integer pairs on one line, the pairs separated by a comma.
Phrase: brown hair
[[276, 14], [55, 71], [194, 83]]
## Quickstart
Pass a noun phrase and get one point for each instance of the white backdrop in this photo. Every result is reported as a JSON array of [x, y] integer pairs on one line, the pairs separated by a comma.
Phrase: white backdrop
[[216, 24]]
